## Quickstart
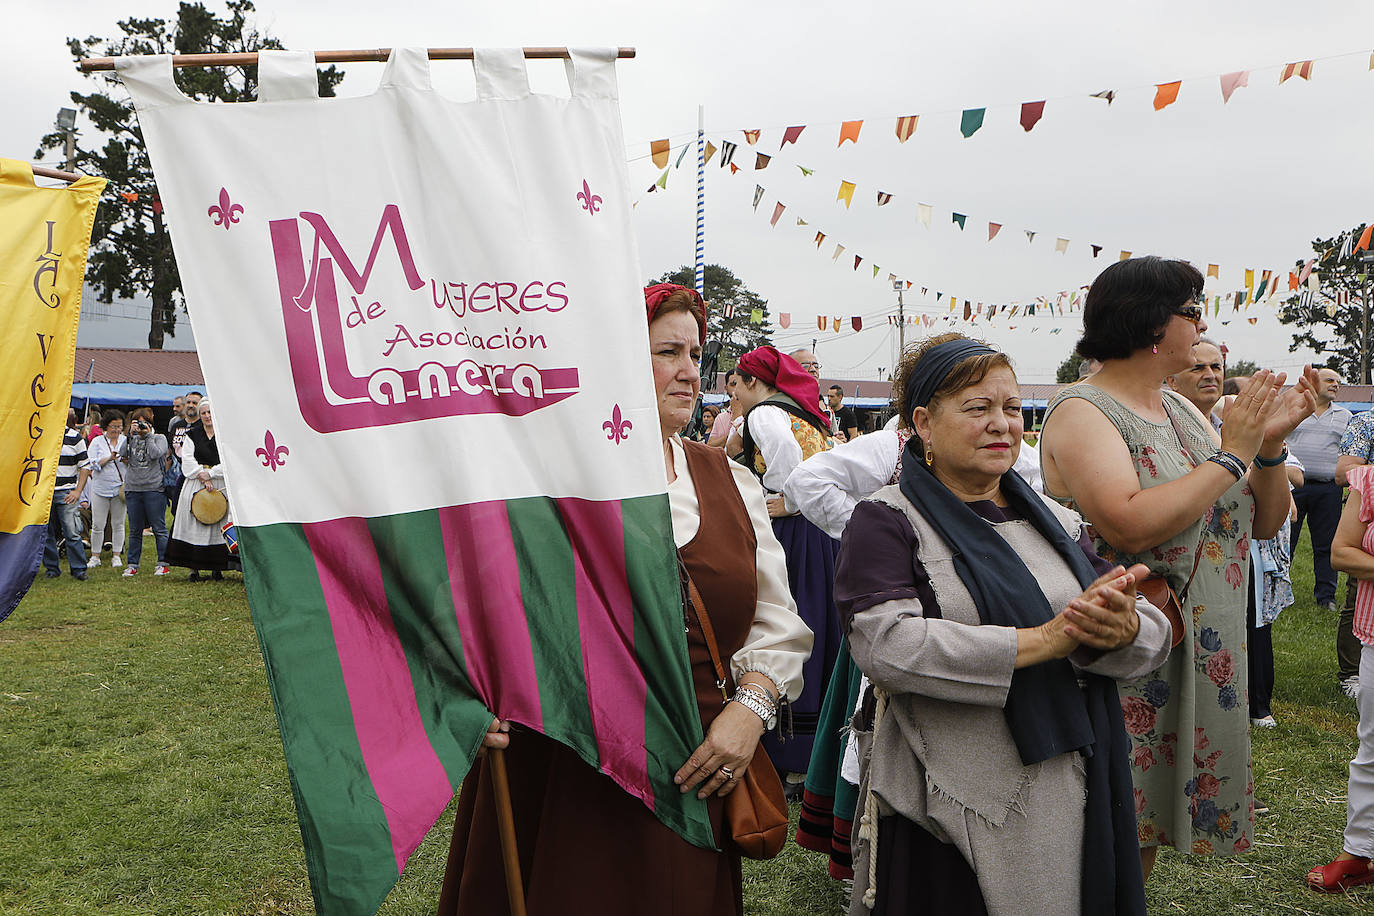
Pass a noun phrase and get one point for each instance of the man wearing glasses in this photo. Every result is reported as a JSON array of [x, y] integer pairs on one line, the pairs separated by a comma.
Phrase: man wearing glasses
[[807, 360], [1316, 443]]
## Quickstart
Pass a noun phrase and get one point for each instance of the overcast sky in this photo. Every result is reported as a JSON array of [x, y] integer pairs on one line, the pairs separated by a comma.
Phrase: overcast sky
[[1245, 184]]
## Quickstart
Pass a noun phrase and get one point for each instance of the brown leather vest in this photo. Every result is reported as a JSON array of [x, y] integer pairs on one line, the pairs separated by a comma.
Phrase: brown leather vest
[[721, 562]]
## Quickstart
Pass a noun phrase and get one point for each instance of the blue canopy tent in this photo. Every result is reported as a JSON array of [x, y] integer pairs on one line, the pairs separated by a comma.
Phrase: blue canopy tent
[[128, 394]]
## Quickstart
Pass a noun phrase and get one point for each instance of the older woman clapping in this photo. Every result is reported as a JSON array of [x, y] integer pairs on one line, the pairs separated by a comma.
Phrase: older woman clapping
[[991, 633], [587, 846]]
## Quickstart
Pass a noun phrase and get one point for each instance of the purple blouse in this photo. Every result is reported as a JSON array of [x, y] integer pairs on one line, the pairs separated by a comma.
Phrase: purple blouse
[[878, 562]]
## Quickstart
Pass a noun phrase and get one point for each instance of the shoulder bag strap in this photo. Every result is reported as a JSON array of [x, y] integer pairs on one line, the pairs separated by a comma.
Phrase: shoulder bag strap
[[1192, 459], [1178, 431], [704, 620]]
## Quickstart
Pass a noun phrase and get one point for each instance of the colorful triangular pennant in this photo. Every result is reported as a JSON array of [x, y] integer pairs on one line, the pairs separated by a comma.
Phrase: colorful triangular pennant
[[971, 121], [1166, 94], [1230, 81], [658, 151]]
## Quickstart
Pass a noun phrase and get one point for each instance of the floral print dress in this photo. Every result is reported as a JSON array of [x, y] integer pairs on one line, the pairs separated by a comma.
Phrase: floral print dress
[[1188, 719]]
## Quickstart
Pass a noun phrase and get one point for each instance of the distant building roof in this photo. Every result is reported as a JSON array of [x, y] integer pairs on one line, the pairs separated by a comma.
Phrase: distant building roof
[[124, 365]]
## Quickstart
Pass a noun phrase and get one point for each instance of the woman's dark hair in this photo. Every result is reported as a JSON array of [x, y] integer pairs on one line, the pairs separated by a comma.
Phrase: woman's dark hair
[[1232, 384], [110, 416], [1131, 301]]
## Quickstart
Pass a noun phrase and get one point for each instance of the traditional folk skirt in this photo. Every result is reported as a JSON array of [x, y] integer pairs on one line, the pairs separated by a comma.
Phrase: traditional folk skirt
[[811, 575]]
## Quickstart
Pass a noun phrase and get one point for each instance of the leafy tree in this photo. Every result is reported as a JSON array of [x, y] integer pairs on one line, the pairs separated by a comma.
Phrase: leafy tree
[[1241, 367], [1326, 325], [131, 251], [1067, 373], [722, 288]]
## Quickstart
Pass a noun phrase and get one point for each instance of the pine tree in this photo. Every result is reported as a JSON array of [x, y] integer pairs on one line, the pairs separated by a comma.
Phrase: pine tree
[[1331, 319], [726, 292], [131, 251]]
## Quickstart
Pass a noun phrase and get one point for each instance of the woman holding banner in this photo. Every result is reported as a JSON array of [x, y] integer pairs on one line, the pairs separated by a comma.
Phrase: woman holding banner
[[586, 845]]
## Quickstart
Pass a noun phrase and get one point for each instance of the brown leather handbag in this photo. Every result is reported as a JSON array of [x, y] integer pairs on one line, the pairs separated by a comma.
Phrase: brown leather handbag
[[1157, 591], [756, 810]]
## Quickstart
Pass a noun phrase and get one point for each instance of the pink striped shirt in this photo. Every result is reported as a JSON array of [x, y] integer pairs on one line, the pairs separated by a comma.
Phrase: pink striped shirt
[[1362, 480]]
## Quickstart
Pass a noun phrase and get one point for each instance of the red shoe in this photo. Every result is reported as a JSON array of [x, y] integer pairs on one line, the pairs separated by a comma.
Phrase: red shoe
[[1340, 875]]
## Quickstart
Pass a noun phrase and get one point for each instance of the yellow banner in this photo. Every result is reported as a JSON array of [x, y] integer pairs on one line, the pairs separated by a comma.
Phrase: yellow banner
[[44, 237]]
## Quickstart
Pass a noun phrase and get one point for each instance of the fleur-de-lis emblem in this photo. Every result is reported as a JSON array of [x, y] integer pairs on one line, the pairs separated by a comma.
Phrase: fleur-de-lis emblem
[[225, 213], [273, 455], [617, 427], [590, 202]]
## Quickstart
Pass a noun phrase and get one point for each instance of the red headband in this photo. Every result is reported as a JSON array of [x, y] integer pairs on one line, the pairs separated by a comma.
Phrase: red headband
[[785, 374], [656, 295]]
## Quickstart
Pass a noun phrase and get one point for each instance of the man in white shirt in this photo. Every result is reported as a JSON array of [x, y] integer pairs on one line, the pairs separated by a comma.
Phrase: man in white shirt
[[1316, 443]]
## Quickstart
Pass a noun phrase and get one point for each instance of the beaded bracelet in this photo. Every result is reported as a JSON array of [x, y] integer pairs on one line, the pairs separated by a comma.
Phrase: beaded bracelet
[[1230, 462]]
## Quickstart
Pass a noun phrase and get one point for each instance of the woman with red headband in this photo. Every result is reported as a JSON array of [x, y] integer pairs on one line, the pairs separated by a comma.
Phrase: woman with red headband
[[587, 846], [783, 426]]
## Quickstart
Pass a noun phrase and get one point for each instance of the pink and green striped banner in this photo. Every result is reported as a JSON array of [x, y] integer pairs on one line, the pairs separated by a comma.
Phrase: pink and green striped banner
[[390, 643]]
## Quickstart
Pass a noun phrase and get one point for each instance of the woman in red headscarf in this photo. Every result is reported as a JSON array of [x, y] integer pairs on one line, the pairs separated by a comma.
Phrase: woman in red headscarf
[[585, 845], [783, 426]]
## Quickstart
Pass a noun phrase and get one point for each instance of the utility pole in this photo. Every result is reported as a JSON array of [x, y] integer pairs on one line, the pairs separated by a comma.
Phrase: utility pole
[[66, 123], [1368, 259]]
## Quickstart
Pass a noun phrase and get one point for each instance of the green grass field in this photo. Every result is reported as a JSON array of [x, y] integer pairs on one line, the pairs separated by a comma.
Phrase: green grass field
[[143, 772]]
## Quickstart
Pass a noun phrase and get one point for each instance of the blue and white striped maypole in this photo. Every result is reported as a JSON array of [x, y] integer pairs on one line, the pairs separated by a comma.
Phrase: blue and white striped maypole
[[701, 200]]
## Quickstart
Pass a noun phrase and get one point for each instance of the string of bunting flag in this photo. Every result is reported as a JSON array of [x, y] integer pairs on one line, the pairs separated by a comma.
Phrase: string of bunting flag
[[971, 120], [1270, 281], [1064, 301], [1245, 294]]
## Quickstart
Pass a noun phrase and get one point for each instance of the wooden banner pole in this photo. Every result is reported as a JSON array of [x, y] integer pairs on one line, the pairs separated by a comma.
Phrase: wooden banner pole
[[505, 820], [247, 58], [44, 172]]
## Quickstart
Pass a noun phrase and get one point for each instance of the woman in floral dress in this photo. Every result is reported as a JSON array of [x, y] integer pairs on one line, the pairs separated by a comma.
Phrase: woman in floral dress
[[1162, 488]]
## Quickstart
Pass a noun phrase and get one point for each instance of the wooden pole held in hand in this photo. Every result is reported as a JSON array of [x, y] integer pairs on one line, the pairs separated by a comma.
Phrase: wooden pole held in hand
[[505, 820]]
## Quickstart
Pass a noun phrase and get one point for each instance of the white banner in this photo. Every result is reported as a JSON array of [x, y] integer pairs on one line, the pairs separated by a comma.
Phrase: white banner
[[404, 302]]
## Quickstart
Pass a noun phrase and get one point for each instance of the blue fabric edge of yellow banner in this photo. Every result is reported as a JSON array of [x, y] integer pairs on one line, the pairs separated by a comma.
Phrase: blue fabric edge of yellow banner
[[21, 554]]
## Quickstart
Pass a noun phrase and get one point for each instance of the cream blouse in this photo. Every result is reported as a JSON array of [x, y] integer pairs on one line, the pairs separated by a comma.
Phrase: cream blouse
[[778, 642]]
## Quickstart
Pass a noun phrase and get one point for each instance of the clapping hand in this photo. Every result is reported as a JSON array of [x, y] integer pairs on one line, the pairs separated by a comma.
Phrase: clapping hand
[[1249, 417], [1104, 616], [1292, 407]]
